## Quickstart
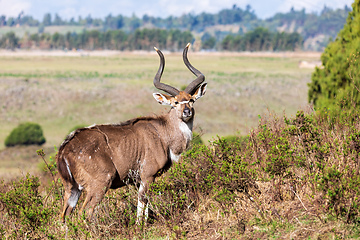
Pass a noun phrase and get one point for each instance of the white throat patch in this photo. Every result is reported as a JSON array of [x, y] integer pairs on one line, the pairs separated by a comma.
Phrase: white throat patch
[[174, 157], [185, 129]]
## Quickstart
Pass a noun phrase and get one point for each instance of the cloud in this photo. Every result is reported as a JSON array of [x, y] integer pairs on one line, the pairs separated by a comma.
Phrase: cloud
[[12, 8]]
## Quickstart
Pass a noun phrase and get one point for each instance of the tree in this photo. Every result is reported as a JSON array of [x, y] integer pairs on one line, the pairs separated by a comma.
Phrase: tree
[[47, 19], [10, 22], [335, 87], [57, 20], [9, 41], [208, 41]]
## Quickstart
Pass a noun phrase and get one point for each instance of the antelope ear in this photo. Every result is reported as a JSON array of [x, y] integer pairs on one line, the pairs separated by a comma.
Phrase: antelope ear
[[200, 91], [162, 98]]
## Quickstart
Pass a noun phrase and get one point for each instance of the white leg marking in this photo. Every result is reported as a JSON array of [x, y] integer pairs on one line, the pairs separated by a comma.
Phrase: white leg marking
[[141, 206], [174, 157], [140, 209], [74, 197]]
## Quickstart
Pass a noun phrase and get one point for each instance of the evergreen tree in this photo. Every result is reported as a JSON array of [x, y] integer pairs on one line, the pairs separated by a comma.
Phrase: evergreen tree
[[47, 19], [335, 87]]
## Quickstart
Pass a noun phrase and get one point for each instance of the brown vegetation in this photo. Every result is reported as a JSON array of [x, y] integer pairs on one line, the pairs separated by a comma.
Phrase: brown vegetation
[[291, 178]]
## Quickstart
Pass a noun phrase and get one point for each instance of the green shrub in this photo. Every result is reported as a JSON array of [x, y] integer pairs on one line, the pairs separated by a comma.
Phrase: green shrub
[[335, 87], [26, 134], [233, 139], [196, 139], [217, 172], [24, 202]]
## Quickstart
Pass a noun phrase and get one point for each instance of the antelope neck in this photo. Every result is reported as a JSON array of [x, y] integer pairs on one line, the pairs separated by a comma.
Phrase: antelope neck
[[178, 125]]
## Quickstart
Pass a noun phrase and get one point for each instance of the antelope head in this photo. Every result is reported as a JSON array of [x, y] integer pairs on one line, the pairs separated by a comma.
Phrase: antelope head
[[180, 101]]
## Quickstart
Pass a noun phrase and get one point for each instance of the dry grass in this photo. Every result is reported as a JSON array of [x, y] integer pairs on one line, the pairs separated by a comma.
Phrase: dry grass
[[18, 161]]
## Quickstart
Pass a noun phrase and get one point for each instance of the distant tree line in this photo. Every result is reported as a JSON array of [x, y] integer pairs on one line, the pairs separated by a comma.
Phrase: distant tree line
[[283, 31], [328, 21], [186, 21], [260, 39], [144, 39]]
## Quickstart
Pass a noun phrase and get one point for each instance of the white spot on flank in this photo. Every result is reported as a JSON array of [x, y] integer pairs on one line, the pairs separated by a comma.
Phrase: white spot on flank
[[142, 164], [89, 157], [174, 157], [68, 168], [91, 126], [78, 157], [81, 187], [184, 128]]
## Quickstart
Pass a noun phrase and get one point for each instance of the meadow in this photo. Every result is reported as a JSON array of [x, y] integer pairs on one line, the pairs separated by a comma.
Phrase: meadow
[[288, 174], [64, 91]]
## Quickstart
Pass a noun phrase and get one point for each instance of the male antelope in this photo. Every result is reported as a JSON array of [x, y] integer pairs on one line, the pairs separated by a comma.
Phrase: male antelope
[[100, 157]]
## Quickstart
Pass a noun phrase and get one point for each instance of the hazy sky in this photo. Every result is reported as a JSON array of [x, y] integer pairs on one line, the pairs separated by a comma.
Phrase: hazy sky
[[162, 8]]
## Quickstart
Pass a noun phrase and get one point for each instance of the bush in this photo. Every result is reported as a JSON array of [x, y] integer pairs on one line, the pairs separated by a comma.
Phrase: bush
[[196, 139], [207, 176], [240, 140], [23, 202], [26, 134], [335, 87]]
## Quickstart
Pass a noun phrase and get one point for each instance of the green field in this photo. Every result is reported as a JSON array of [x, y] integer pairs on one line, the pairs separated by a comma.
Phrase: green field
[[62, 92]]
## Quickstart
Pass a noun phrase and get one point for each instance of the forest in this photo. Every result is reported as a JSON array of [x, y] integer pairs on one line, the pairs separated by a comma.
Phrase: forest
[[173, 40], [233, 29]]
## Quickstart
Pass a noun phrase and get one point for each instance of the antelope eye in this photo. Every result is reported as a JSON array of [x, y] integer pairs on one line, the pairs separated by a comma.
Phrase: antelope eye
[[192, 100], [176, 102]]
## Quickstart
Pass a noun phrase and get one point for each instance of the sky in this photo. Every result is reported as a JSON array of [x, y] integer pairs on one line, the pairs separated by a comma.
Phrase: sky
[[67, 9]]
